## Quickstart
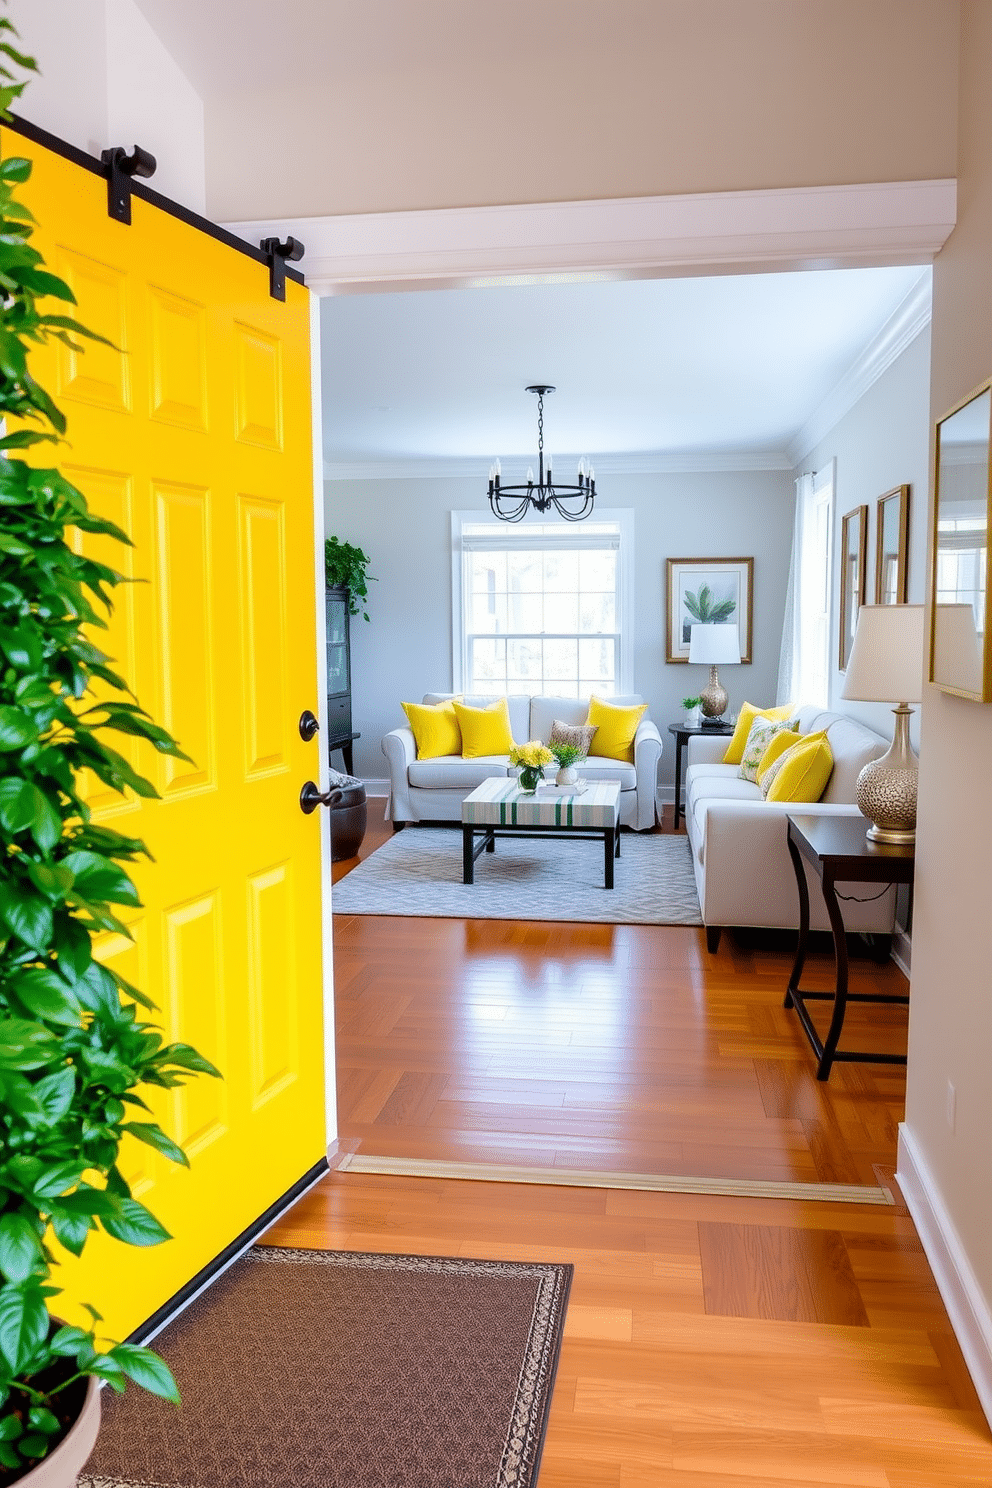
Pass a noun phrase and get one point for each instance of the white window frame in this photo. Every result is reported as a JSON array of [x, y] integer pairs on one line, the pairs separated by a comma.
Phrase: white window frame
[[623, 517], [819, 623]]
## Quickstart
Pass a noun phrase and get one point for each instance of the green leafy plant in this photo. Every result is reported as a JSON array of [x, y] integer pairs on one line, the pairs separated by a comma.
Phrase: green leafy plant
[[74, 1049], [346, 566], [691, 702], [567, 754], [706, 610]]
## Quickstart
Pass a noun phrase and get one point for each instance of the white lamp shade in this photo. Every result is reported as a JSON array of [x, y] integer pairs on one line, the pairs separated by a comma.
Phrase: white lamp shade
[[714, 645], [886, 663]]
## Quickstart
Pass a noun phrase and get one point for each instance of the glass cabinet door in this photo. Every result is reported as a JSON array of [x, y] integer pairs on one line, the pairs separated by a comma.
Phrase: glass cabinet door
[[338, 679]]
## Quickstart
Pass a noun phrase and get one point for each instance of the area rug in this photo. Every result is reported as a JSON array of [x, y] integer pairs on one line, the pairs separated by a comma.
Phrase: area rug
[[330, 1369], [419, 872]]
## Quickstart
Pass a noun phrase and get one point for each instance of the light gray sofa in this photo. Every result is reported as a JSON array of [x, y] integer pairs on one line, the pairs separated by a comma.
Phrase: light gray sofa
[[740, 854], [433, 789]]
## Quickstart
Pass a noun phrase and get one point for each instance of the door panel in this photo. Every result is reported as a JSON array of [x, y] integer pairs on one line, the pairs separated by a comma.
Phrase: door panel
[[193, 433]]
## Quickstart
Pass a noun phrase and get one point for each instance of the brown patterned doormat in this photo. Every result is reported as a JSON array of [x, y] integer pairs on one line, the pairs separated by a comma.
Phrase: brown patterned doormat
[[331, 1369]]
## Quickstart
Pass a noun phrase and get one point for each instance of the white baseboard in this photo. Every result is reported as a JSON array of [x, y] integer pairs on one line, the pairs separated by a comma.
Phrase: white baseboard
[[902, 952], [966, 1304], [376, 787]]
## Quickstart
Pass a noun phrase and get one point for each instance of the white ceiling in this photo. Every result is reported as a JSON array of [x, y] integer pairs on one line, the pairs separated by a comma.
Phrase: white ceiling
[[711, 367]]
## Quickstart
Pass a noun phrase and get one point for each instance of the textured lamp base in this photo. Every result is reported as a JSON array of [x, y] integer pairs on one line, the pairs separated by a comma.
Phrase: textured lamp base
[[886, 789], [713, 699]]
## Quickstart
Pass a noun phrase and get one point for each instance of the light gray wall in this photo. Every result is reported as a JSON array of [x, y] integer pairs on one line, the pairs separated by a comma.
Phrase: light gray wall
[[950, 1025], [404, 526], [883, 442]]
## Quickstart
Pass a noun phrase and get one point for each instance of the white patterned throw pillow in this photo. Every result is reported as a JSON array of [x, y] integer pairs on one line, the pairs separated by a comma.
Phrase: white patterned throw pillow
[[763, 731]]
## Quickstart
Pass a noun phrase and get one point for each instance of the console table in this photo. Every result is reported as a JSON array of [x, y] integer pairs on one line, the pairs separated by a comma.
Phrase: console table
[[838, 851], [684, 732]]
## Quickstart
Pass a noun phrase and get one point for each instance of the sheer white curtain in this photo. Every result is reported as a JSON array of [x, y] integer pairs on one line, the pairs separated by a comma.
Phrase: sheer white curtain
[[804, 673]]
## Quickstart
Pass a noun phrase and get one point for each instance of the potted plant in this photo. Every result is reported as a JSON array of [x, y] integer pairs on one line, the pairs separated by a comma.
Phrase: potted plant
[[346, 567], [567, 756], [691, 707], [74, 1047]]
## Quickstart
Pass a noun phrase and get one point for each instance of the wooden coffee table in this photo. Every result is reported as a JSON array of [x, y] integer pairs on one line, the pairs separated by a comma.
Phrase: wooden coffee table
[[498, 808]]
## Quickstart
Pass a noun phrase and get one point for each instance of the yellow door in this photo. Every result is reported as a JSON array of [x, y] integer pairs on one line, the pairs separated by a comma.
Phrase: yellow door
[[194, 435]]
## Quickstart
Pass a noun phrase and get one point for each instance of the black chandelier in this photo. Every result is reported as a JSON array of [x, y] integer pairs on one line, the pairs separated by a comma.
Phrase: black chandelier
[[511, 503]]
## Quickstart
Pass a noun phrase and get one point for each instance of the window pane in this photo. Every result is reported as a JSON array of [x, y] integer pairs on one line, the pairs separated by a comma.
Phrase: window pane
[[597, 569], [597, 612], [487, 661], [560, 660], [561, 572], [525, 573], [597, 659], [488, 616], [488, 572], [525, 612], [523, 660], [561, 612]]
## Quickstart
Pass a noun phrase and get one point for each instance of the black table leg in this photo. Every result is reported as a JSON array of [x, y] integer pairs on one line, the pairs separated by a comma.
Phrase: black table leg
[[840, 991], [803, 888], [609, 850], [468, 856], [678, 779], [348, 757]]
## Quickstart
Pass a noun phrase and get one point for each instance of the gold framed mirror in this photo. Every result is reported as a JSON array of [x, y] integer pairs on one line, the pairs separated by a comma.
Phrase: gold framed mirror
[[853, 573], [891, 546], [959, 593]]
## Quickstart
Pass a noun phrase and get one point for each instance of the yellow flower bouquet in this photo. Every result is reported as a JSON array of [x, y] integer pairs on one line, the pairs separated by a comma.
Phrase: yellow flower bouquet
[[531, 759]]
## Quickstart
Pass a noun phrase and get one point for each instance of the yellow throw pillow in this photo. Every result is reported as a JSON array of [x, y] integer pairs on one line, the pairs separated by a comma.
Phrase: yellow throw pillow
[[484, 730], [745, 718], [777, 746], [435, 729], [615, 729], [801, 774]]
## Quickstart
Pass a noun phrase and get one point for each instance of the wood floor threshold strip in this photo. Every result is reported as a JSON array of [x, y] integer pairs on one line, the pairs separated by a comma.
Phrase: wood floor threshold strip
[[735, 1188]]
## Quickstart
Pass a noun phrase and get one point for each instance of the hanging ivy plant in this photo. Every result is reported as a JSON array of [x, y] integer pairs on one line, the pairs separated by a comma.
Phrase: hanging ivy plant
[[74, 1047]]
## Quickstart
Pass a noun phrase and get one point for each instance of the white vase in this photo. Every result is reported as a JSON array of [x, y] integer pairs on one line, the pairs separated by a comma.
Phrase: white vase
[[691, 718], [567, 775]]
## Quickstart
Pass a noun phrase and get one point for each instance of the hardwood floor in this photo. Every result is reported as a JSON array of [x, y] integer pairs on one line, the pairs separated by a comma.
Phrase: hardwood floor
[[711, 1342]]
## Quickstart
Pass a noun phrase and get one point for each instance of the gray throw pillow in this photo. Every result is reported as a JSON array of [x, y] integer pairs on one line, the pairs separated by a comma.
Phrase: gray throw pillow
[[579, 735]]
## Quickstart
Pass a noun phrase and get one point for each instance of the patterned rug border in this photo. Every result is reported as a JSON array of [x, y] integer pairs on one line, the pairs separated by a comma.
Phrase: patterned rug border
[[735, 1188], [655, 883], [528, 1424]]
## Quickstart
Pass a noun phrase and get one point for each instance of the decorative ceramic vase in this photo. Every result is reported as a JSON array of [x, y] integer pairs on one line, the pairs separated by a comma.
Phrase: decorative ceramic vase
[[528, 778], [691, 717], [567, 775]]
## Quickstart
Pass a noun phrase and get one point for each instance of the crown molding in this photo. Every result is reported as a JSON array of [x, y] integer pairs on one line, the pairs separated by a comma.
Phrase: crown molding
[[898, 332], [640, 462], [889, 222]]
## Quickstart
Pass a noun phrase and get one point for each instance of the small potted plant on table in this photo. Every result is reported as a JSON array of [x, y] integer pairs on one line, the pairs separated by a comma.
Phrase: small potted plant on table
[[568, 756]]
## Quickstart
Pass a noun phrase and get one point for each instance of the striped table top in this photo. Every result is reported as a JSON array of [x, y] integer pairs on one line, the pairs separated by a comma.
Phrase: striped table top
[[499, 802]]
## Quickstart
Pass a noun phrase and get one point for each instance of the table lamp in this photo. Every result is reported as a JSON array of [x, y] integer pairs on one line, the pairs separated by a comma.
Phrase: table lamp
[[886, 666], [712, 646]]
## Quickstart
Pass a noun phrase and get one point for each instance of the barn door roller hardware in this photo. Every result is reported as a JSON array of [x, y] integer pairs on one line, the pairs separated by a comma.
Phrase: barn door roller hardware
[[293, 250], [122, 167]]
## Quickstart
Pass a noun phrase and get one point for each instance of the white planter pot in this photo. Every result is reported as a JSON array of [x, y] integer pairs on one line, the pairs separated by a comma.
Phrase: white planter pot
[[567, 775], [690, 719], [61, 1468]]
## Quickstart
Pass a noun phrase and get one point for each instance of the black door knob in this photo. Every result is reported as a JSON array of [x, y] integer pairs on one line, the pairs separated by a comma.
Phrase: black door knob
[[308, 725], [311, 798]]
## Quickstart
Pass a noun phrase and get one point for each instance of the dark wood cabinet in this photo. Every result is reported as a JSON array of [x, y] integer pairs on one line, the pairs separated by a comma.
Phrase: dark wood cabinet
[[340, 733]]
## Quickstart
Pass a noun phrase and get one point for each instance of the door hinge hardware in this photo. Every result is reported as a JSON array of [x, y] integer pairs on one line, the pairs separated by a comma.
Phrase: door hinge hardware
[[292, 250], [122, 167], [311, 798], [308, 725]]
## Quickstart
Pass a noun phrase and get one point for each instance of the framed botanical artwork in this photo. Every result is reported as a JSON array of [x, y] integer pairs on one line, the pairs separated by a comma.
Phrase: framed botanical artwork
[[960, 659], [853, 574], [708, 591], [891, 546]]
